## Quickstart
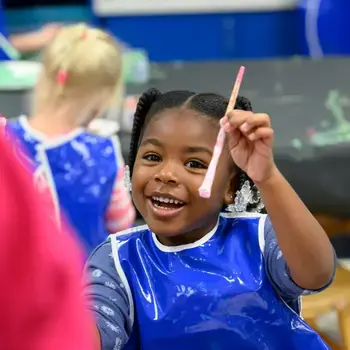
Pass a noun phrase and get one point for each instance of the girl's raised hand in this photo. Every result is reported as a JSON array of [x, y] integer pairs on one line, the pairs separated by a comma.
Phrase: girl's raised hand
[[250, 140]]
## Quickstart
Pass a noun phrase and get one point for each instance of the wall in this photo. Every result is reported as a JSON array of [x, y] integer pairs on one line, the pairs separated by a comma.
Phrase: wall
[[203, 29], [142, 7], [183, 29], [31, 18]]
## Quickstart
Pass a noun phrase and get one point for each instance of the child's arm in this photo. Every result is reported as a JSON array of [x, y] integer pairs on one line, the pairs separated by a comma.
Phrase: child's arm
[[121, 213], [278, 271], [34, 41], [108, 300], [304, 244]]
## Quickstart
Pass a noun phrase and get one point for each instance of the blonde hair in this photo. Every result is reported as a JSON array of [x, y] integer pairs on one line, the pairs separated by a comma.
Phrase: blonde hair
[[80, 64]]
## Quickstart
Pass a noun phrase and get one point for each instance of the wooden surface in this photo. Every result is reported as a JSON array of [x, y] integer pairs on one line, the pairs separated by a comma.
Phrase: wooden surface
[[336, 293], [333, 225], [335, 298]]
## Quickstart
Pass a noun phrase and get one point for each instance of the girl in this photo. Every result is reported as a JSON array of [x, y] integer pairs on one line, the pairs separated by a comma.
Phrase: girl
[[84, 172], [195, 277]]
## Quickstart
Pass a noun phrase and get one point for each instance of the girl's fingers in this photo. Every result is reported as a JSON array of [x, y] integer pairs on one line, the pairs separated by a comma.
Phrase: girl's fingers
[[259, 119], [245, 120], [260, 133], [253, 122], [252, 126], [236, 118]]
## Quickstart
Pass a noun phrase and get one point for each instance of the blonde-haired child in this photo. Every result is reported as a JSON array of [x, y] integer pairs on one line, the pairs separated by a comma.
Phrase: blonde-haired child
[[80, 78]]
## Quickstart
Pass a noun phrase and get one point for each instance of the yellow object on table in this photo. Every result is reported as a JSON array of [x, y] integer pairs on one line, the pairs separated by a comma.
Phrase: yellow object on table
[[334, 299]]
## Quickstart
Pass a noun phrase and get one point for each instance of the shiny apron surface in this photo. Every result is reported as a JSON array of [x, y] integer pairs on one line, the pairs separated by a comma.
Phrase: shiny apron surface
[[209, 295], [80, 170]]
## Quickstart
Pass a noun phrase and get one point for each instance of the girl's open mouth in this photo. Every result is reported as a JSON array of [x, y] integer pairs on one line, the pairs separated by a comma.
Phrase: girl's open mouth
[[166, 203], [165, 207]]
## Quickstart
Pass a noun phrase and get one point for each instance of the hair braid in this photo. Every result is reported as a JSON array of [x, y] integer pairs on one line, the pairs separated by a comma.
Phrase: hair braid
[[143, 106]]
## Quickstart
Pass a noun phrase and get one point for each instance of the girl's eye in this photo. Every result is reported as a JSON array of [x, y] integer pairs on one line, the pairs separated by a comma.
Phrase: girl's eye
[[151, 157], [195, 164]]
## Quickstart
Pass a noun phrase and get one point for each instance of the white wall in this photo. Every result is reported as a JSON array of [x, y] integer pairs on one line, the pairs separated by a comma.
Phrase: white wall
[[140, 7]]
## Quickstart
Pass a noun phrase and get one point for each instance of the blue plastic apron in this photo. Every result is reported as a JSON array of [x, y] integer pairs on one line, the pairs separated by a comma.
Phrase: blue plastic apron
[[80, 170], [213, 294]]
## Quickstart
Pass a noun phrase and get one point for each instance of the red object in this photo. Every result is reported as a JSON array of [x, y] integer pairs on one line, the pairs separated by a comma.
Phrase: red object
[[40, 270]]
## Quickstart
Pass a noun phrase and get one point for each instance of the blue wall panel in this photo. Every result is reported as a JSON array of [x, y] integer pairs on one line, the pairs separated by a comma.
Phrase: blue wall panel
[[209, 36]]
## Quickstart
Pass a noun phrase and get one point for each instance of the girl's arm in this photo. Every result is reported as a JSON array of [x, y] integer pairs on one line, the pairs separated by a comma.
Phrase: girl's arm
[[34, 41], [107, 300], [304, 244], [121, 212], [28, 42], [278, 271]]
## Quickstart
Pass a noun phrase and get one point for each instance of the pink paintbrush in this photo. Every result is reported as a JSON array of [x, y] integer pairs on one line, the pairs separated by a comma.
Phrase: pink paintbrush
[[205, 189]]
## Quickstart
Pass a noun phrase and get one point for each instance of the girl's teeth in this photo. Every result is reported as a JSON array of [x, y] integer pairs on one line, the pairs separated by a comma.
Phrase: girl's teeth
[[166, 200], [164, 208]]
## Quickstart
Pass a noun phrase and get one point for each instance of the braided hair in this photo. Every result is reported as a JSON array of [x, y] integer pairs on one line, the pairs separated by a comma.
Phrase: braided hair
[[214, 106]]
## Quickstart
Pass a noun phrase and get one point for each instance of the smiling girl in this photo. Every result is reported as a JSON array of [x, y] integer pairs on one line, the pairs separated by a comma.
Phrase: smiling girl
[[196, 277]]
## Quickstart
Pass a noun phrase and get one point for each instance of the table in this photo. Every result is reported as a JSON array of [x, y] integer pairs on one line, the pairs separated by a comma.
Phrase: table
[[335, 298]]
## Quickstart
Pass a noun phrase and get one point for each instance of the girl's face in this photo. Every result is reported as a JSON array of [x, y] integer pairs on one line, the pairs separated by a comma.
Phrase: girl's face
[[171, 162]]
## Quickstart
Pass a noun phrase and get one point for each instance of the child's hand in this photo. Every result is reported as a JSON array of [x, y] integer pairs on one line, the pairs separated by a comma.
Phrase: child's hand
[[250, 139], [48, 32]]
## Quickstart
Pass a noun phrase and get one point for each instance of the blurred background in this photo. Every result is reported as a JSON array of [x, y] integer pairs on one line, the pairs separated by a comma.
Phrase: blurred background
[[297, 58]]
